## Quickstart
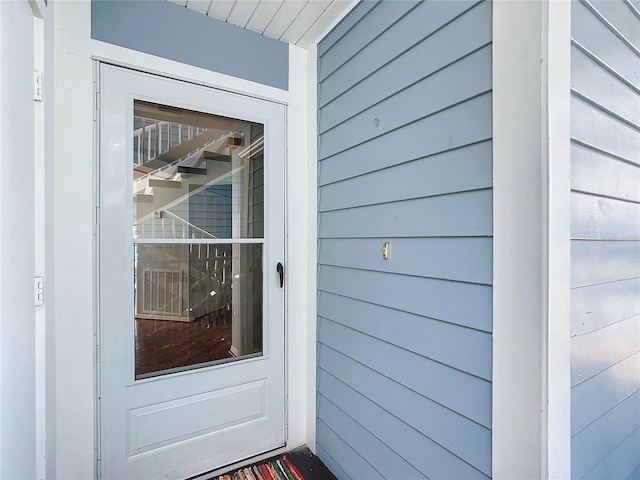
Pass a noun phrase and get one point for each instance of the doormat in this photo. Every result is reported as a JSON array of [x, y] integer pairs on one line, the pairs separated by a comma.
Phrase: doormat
[[278, 469]]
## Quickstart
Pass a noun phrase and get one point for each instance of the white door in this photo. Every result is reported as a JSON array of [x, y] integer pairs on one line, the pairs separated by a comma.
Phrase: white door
[[191, 312]]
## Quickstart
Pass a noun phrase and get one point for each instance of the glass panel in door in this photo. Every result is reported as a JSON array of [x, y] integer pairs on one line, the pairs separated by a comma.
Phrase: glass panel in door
[[198, 232]]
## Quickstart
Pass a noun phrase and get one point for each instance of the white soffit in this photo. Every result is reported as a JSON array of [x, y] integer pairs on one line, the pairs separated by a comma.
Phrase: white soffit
[[298, 22]]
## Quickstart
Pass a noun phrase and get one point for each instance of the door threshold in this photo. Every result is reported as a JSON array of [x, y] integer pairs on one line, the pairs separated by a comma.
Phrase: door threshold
[[234, 466]]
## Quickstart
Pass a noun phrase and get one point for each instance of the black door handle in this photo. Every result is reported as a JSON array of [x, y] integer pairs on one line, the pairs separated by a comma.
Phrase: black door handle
[[280, 269]]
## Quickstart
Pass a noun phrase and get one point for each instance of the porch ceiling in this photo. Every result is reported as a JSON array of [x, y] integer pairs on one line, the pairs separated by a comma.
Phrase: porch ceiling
[[298, 22]]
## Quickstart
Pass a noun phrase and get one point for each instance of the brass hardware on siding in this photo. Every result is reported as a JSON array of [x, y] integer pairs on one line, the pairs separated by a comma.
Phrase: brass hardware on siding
[[385, 250]]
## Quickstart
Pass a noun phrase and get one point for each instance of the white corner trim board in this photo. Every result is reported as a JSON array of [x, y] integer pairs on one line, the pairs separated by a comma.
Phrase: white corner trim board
[[531, 382]]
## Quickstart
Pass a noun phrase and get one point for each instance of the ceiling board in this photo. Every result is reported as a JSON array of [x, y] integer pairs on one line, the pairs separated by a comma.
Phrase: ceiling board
[[286, 15], [201, 6], [309, 15], [298, 22], [221, 9], [317, 30], [263, 15], [242, 12]]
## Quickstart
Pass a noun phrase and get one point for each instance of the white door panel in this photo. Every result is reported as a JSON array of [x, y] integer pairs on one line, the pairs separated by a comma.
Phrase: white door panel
[[177, 420]]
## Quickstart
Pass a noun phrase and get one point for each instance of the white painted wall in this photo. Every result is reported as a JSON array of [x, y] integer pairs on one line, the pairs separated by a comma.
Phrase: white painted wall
[[25, 133], [75, 298], [532, 217]]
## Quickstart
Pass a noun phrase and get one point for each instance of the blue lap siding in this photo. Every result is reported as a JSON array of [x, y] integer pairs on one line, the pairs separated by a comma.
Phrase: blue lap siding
[[405, 157], [605, 227]]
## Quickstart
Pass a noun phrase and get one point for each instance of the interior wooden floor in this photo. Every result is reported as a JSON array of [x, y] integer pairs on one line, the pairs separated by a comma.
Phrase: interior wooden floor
[[166, 344]]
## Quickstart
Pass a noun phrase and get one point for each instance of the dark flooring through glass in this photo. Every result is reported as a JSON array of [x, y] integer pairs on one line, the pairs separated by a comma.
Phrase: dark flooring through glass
[[165, 344]]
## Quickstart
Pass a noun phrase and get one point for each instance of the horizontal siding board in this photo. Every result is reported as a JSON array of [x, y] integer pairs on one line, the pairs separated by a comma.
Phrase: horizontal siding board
[[635, 475], [600, 218], [462, 348], [464, 79], [463, 124], [592, 126], [594, 172], [344, 455], [601, 437], [593, 81], [468, 440], [424, 454], [444, 51], [592, 399], [455, 215], [601, 262], [596, 351], [347, 23], [605, 295], [598, 306], [595, 36], [363, 33], [462, 259], [621, 462], [258, 212], [621, 17], [378, 455], [463, 169], [258, 176], [373, 71], [436, 381], [459, 303], [396, 39], [328, 461]]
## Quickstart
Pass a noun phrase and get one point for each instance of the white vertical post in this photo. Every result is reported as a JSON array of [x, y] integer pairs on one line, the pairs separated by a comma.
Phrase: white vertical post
[[558, 333], [311, 259], [531, 362], [147, 138], [40, 324], [238, 228]]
